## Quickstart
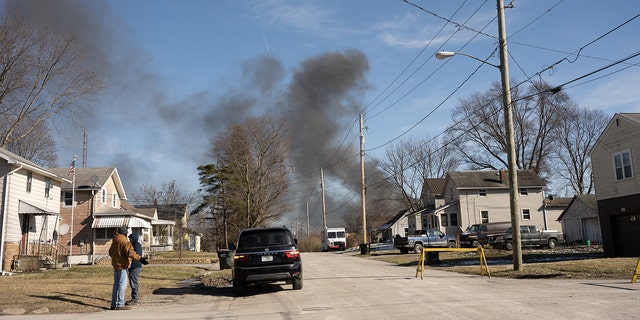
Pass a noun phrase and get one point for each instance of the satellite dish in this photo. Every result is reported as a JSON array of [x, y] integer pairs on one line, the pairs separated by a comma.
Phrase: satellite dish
[[64, 228], [94, 179]]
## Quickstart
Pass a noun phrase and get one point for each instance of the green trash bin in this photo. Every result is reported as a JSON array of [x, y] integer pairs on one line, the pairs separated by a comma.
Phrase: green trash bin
[[225, 258]]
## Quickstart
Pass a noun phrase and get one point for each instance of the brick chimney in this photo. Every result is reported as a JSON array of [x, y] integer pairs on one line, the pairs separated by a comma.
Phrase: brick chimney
[[503, 176]]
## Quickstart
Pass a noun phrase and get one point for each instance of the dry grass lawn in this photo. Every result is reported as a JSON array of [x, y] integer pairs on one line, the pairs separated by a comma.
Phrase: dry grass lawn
[[87, 288], [567, 263], [81, 288]]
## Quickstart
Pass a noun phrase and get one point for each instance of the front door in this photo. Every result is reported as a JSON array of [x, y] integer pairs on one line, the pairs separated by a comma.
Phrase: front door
[[24, 226]]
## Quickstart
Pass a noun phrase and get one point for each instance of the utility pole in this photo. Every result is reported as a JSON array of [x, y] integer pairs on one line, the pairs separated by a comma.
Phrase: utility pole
[[324, 211], [307, 219], [363, 184], [511, 150]]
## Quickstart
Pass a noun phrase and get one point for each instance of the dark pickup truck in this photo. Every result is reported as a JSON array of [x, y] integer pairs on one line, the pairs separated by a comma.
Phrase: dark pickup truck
[[530, 236], [423, 238]]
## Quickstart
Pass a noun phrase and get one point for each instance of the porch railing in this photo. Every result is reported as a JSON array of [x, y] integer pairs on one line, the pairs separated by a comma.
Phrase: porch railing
[[51, 252]]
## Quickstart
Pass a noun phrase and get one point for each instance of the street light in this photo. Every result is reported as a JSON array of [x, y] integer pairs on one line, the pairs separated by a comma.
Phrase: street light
[[508, 119], [447, 54]]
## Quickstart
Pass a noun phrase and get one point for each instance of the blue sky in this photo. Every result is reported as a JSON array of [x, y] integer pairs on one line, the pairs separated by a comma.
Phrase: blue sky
[[174, 66]]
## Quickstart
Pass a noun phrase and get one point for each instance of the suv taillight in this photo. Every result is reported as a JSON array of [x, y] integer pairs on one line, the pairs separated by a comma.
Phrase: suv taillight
[[292, 254], [240, 258]]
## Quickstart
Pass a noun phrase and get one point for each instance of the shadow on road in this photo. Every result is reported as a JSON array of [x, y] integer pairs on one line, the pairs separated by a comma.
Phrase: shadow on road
[[195, 287]]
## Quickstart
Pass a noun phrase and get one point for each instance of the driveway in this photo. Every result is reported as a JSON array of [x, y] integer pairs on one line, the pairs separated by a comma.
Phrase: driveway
[[344, 286]]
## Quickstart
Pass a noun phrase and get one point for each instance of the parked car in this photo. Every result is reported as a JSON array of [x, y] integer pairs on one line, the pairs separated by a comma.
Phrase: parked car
[[266, 255], [530, 236], [481, 234], [423, 238]]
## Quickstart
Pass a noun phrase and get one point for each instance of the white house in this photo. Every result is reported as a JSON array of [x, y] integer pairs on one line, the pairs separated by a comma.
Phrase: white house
[[29, 209]]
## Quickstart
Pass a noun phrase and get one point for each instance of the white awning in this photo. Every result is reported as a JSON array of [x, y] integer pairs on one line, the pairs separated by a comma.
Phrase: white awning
[[135, 222], [161, 222], [120, 221], [27, 208]]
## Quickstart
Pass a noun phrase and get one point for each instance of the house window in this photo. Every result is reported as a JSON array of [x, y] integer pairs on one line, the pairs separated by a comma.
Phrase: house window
[[444, 222], [622, 163], [484, 215], [105, 233], [103, 197], [47, 187], [453, 219], [523, 191], [526, 214], [482, 192], [29, 180], [68, 199], [114, 199]]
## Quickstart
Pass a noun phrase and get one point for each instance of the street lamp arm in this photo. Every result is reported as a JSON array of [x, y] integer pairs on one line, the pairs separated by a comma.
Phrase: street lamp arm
[[447, 54]]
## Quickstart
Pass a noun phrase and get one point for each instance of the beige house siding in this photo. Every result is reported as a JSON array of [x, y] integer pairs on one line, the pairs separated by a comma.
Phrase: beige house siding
[[496, 202], [465, 197], [621, 134], [552, 219]]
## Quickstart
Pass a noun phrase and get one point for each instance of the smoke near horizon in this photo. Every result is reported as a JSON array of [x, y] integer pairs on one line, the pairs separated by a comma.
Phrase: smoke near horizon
[[154, 134]]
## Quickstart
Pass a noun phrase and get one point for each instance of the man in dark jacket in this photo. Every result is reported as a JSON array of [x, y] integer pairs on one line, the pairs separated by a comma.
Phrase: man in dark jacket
[[134, 270], [121, 253]]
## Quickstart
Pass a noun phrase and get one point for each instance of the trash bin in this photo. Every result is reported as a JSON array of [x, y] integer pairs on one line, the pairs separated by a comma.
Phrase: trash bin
[[433, 257], [225, 258], [364, 248]]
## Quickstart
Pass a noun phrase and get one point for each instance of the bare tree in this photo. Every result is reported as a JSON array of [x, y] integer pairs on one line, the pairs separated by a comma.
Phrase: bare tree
[[576, 135], [478, 132], [38, 146], [167, 193], [43, 77], [254, 155], [408, 163]]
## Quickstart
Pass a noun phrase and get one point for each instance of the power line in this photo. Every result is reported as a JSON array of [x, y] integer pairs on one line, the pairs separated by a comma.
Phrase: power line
[[411, 63], [458, 25], [457, 88], [558, 88]]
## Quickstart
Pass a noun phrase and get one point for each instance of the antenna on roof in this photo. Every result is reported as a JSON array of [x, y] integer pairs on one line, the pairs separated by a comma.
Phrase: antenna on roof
[[84, 149]]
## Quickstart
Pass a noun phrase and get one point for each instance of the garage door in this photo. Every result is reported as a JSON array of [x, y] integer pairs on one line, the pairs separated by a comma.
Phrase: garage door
[[591, 227], [626, 235]]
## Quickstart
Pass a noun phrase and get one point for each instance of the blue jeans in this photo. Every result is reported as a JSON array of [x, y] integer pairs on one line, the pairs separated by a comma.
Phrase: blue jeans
[[133, 281], [119, 286]]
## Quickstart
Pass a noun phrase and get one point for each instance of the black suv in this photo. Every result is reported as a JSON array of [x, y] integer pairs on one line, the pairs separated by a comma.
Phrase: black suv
[[265, 255]]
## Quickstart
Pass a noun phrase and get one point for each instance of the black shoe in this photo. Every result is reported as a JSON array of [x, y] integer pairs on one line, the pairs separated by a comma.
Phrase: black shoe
[[131, 303]]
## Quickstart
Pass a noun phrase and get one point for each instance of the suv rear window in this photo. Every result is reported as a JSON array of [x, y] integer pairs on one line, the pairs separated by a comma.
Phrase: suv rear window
[[262, 238]]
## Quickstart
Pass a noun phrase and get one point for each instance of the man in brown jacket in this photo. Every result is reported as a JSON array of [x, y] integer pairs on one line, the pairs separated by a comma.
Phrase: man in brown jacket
[[121, 253]]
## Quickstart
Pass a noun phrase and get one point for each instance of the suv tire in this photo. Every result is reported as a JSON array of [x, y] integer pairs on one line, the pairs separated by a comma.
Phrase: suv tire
[[297, 283], [238, 288]]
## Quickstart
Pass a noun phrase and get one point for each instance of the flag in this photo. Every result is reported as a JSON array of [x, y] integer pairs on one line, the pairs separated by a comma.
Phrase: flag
[[72, 167]]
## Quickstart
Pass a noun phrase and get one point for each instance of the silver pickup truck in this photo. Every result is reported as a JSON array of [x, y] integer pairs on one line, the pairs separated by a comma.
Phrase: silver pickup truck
[[423, 238]]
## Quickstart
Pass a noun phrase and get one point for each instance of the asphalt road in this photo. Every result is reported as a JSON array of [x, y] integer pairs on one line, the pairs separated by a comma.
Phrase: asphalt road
[[343, 286]]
